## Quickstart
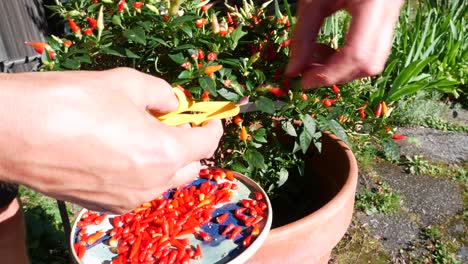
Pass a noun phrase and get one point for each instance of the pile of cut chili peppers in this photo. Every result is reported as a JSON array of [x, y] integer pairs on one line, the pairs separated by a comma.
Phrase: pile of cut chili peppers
[[158, 231]]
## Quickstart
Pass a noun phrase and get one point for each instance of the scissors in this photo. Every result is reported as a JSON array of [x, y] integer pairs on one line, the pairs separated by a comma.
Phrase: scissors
[[197, 113]]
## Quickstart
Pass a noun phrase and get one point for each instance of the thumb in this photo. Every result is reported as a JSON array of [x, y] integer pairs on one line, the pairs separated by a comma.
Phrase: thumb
[[146, 91], [198, 143]]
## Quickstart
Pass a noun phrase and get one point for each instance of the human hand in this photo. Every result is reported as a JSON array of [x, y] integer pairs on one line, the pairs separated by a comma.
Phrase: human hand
[[88, 138], [367, 46]]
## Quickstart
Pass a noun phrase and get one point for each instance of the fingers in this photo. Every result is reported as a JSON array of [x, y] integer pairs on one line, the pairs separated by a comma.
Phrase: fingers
[[147, 91], [186, 174], [309, 21], [367, 46], [198, 143]]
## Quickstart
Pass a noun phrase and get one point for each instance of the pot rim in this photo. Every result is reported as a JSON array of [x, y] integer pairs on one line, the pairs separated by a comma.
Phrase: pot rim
[[336, 203]]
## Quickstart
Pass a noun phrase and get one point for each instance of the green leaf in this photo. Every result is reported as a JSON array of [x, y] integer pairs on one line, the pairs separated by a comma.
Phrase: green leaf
[[177, 58], [116, 51], [54, 43], [185, 75], [160, 41], [183, 19], [238, 167], [71, 64], [413, 70], [309, 124], [334, 127], [304, 140], [184, 47], [84, 59], [283, 175], [260, 135], [208, 84], [289, 128], [236, 35], [265, 104], [254, 158], [145, 24], [136, 35], [130, 54], [188, 30], [233, 97], [237, 88]]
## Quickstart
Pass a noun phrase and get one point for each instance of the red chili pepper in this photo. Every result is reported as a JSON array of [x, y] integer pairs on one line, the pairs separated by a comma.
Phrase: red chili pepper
[[238, 120], [138, 5], [67, 43], [228, 229], [92, 22], [328, 102], [362, 112], [98, 220], [247, 241], [235, 232], [398, 137], [80, 250], [39, 47], [220, 219], [378, 111], [223, 32], [205, 236], [121, 6], [198, 253], [285, 43], [211, 56], [258, 196], [135, 248], [279, 92], [229, 18], [201, 55], [205, 8], [335, 89], [304, 97], [199, 23], [206, 96], [88, 31], [73, 26]]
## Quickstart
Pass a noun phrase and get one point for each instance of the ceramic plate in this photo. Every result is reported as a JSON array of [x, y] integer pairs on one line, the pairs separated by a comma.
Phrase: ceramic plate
[[220, 250]]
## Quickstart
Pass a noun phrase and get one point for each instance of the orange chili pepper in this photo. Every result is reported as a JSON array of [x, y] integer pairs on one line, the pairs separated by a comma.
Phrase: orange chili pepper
[[243, 134], [212, 69]]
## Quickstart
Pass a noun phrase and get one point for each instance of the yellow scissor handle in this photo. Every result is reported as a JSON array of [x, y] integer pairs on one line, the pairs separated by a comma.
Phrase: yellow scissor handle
[[190, 111]]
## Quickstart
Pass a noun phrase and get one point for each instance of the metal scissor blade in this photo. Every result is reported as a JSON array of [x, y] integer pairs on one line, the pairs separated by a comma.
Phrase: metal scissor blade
[[250, 107]]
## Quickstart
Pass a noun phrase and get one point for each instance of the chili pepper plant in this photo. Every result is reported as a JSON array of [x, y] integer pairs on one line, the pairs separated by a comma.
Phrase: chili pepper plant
[[215, 51]]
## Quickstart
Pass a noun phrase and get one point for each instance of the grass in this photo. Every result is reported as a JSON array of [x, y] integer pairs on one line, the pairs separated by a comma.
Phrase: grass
[[379, 199], [358, 246], [46, 241], [427, 109], [417, 165], [433, 247]]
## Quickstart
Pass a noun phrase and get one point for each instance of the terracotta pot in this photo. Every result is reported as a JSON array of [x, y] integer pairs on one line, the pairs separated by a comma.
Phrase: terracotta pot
[[333, 178]]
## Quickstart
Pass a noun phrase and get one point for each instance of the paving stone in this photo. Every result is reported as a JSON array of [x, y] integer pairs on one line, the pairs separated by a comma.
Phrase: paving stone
[[436, 145], [393, 231], [431, 199]]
